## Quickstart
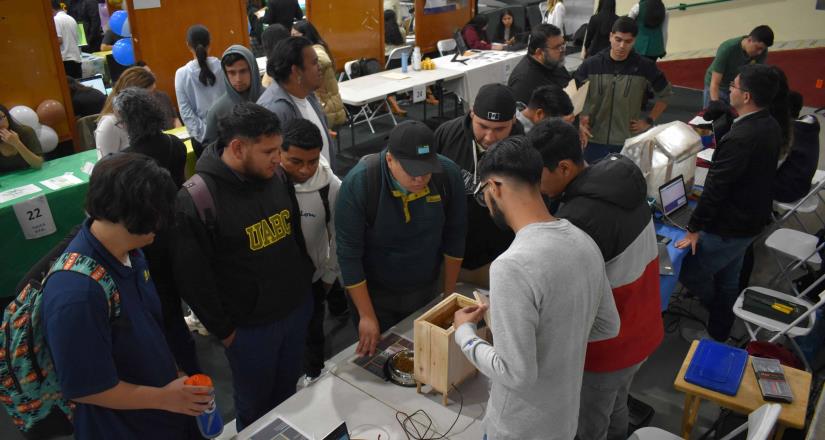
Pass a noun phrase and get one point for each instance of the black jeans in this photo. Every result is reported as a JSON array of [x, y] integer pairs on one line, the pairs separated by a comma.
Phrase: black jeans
[[314, 353]]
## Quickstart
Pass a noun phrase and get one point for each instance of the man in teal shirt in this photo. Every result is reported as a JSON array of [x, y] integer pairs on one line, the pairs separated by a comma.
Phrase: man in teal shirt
[[730, 57], [403, 213]]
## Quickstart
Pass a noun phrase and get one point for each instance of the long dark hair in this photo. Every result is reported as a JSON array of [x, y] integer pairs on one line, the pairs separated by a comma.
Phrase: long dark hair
[[780, 110], [507, 12], [607, 12], [655, 13], [479, 22], [392, 34], [310, 32], [77, 86], [13, 125], [197, 37]]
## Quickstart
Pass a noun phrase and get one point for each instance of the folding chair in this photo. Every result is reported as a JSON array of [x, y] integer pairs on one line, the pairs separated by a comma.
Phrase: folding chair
[[86, 127], [396, 54], [446, 47], [801, 248], [759, 426], [367, 112], [754, 322]]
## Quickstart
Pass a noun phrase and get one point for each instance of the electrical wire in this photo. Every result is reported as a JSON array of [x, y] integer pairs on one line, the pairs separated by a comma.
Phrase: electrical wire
[[412, 432]]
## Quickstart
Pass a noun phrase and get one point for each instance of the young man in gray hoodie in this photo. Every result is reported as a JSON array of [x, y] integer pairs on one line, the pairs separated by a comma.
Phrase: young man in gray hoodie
[[316, 189], [243, 84], [296, 73], [549, 296]]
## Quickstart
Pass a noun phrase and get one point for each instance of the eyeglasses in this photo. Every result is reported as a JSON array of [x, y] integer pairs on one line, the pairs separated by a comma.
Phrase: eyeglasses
[[478, 194], [739, 88], [558, 47]]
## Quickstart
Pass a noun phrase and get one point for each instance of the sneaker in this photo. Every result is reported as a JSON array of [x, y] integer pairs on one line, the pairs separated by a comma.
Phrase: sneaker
[[694, 334], [195, 325]]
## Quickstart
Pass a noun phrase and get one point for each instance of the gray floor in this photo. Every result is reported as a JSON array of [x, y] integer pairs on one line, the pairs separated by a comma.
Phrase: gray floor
[[654, 382]]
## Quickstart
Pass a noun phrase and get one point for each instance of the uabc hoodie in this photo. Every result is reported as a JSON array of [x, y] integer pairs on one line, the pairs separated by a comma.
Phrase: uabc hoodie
[[318, 229], [252, 266]]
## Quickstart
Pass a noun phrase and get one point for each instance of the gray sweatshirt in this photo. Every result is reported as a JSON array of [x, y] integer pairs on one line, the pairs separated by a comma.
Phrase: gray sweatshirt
[[549, 296]]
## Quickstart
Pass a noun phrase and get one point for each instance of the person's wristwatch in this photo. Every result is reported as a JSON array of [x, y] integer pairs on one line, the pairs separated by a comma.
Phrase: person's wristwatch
[[649, 120]]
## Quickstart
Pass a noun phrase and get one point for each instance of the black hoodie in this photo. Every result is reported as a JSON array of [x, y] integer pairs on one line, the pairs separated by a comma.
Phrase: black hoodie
[[608, 200], [253, 267], [530, 74]]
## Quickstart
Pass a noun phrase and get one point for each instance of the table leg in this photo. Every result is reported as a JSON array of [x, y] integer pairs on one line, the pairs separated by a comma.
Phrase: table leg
[[780, 431], [690, 413]]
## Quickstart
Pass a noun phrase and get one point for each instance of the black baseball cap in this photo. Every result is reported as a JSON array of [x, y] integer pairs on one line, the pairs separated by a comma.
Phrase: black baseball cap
[[411, 142], [495, 102]]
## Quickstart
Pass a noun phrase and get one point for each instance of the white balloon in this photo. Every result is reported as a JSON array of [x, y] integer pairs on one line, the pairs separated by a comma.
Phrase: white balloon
[[48, 138], [25, 116]]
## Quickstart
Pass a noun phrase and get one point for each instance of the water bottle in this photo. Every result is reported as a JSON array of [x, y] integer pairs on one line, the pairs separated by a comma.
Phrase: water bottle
[[404, 62], [210, 422], [417, 58]]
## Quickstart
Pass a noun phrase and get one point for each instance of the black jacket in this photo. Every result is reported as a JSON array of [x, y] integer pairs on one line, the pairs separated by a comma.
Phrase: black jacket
[[515, 32], [87, 101], [737, 197], [167, 150], [529, 74], [283, 12], [608, 200], [485, 241], [793, 178], [253, 267]]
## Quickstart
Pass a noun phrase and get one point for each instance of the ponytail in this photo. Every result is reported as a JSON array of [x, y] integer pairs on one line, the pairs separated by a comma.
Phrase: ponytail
[[197, 37]]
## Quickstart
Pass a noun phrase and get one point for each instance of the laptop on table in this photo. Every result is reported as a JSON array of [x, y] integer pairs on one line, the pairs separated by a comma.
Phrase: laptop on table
[[674, 202]]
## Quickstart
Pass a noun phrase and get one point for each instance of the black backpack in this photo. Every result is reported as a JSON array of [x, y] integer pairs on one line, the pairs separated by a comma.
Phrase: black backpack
[[439, 184], [364, 66]]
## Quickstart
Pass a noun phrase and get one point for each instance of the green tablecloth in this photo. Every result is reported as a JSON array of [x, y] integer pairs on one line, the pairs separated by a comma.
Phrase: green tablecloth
[[18, 255]]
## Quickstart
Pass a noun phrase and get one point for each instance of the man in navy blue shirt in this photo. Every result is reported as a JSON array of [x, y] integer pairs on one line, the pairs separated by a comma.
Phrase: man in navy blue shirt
[[120, 371]]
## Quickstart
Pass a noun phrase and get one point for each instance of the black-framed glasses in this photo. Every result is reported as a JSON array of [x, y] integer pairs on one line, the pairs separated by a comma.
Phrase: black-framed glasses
[[478, 194], [739, 88]]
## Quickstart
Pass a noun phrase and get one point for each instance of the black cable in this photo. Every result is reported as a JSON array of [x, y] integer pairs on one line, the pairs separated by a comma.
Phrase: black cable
[[411, 430]]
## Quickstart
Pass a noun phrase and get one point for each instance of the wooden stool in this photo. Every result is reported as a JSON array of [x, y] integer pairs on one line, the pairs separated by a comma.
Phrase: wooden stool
[[747, 399]]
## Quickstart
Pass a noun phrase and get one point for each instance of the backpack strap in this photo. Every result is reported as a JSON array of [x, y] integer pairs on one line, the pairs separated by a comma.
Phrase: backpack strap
[[202, 198], [324, 193], [75, 262], [373, 185]]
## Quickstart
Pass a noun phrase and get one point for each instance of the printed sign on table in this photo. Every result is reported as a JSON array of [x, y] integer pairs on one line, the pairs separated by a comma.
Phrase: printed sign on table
[[35, 218]]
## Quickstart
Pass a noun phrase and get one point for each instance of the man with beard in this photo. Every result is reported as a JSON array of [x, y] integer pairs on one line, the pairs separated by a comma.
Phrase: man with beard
[[465, 140], [549, 296], [619, 79], [240, 259], [543, 64]]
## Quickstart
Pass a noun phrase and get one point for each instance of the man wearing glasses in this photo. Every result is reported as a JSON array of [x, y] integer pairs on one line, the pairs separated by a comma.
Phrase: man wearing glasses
[[543, 64], [549, 296], [619, 79]]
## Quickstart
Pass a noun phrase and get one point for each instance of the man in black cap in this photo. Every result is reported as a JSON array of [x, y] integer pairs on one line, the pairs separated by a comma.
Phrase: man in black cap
[[465, 140], [405, 214]]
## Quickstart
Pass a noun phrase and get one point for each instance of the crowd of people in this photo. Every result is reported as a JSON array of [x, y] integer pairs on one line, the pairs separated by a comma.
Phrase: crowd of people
[[264, 236]]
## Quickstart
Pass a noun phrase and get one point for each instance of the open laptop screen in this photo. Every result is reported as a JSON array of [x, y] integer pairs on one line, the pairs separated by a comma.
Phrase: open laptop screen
[[95, 82], [673, 195]]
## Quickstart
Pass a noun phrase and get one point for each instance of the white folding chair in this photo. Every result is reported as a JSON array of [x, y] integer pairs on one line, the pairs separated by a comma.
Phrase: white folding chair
[[396, 53], [801, 326], [367, 112], [446, 47], [759, 426]]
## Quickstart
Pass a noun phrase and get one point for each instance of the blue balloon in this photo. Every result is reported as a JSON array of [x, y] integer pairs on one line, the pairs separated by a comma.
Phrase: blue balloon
[[123, 52], [116, 22]]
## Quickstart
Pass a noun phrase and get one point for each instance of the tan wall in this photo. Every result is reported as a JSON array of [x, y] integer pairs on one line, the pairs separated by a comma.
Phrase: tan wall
[[704, 27]]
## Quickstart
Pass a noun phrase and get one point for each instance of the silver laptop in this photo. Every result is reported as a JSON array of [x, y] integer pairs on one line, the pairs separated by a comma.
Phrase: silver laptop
[[674, 202], [95, 82]]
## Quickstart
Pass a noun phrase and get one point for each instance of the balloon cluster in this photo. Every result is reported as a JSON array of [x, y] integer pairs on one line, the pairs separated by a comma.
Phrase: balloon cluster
[[49, 113], [122, 51]]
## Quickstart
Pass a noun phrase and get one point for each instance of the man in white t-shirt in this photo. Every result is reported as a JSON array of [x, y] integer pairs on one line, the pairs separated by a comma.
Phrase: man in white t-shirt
[[66, 28], [296, 75]]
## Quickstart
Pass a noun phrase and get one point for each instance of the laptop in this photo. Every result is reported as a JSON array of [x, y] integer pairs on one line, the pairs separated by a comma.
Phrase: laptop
[[95, 82], [674, 202]]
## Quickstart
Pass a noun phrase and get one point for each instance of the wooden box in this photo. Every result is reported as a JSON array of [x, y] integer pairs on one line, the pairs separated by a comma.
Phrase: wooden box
[[439, 361]]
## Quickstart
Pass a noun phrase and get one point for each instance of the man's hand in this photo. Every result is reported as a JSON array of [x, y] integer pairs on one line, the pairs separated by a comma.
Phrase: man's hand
[[9, 136], [638, 125], [368, 336], [584, 130], [190, 400], [469, 314], [229, 340], [691, 239]]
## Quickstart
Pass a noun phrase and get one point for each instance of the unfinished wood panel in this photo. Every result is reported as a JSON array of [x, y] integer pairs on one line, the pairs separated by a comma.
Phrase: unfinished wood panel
[[159, 34], [429, 28], [32, 70], [353, 30]]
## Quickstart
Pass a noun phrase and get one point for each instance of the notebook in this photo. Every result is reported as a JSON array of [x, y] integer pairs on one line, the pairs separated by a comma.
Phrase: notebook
[[718, 367]]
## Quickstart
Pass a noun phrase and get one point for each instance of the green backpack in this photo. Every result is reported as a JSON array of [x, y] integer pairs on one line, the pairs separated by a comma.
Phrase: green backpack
[[29, 388]]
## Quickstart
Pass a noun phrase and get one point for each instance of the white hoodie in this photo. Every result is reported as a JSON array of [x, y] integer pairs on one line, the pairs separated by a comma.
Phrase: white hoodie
[[318, 233]]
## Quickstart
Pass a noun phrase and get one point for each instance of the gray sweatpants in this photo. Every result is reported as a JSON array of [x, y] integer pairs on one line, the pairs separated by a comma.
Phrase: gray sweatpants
[[603, 412]]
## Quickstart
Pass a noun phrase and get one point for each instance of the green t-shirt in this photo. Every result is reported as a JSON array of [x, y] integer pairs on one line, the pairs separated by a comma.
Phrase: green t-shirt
[[729, 59]]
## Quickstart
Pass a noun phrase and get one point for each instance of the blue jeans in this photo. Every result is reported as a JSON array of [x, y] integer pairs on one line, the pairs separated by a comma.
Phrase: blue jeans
[[266, 361], [724, 95], [712, 275], [594, 152]]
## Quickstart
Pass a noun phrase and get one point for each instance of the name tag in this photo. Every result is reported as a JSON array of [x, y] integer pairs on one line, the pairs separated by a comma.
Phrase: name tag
[[434, 199]]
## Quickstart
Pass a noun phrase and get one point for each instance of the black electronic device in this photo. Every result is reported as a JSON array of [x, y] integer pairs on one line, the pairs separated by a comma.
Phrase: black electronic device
[[339, 433]]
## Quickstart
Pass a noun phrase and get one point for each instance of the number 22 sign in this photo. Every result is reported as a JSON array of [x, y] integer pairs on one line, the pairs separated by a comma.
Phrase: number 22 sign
[[35, 218]]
